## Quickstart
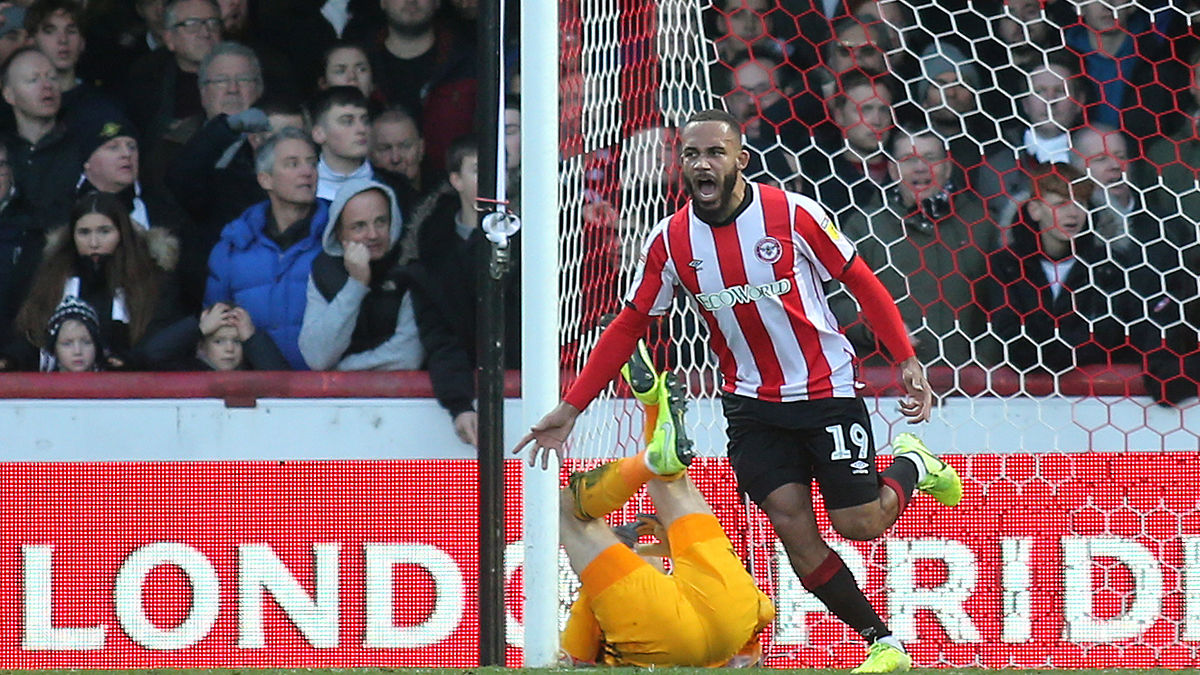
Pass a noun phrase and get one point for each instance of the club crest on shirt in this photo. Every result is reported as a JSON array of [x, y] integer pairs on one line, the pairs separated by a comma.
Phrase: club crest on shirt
[[768, 250]]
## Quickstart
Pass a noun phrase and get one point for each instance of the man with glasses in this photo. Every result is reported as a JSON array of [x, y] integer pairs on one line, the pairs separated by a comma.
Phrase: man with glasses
[[230, 80], [163, 87], [220, 153]]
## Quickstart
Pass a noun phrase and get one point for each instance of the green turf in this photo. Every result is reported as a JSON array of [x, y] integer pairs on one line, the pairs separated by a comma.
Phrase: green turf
[[581, 671]]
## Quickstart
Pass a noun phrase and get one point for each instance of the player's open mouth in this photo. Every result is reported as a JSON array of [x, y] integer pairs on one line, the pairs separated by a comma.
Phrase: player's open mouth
[[706, 188]]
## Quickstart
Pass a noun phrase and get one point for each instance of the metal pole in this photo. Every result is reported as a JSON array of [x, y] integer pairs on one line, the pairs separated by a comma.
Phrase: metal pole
[[490, 339]]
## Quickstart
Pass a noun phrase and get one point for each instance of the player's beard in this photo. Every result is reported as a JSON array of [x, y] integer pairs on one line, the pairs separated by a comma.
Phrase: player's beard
[[725, 188]]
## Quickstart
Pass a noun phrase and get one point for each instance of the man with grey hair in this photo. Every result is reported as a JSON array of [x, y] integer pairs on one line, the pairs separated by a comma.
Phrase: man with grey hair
[[264, 257], [230, 79], [163, 87], [230, 83]]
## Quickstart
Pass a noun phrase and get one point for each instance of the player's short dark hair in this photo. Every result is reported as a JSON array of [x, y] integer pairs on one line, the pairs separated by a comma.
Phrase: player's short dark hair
[[715, 115], [40, 11], [463, 147], [333, 96]]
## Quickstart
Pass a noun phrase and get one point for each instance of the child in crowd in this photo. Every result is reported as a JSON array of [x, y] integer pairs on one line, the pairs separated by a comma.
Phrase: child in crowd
[[125, 273], [229, 342], [73, 343], [222, 338]]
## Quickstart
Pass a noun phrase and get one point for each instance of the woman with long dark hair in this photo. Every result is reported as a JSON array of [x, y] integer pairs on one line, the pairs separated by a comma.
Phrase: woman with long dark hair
[[125, 273]]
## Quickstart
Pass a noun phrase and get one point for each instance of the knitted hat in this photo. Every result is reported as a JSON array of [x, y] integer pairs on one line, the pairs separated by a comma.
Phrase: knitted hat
[[14, 19], [98, 127], [73, 308], [943, 57]]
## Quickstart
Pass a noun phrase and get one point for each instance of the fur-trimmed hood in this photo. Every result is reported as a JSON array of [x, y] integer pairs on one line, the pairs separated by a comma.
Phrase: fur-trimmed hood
[[163, 245]]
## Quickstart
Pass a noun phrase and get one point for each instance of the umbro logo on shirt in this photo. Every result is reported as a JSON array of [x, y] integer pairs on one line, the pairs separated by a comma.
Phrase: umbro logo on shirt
[[696, 264]]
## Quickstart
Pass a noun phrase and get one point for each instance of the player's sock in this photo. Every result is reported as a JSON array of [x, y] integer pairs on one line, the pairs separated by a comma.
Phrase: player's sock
[[607, 487], [901, 478], [834, 585]]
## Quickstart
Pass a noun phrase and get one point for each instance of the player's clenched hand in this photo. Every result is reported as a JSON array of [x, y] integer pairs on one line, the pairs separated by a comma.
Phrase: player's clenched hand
[[918, 405], [549, 434]]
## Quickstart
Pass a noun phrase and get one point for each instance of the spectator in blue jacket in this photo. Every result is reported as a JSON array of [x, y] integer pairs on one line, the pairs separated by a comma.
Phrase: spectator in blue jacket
[[263, 258]]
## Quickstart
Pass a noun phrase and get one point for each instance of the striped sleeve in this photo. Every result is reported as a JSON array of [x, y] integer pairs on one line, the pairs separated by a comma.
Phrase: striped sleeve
[[820, 240], [653, 283]]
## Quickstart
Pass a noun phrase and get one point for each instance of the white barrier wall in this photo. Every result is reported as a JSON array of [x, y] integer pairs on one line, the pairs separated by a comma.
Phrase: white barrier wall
[[297, 429]]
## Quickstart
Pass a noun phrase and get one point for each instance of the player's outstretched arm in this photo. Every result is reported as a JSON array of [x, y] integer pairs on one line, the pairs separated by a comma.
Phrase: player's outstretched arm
[[918, 404], [550, 433]]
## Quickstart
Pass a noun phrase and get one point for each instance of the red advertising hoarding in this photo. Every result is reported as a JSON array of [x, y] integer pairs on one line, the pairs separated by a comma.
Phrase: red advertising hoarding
[[1058, 560]]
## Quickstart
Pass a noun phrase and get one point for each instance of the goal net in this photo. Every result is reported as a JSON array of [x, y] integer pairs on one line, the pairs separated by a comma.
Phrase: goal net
[[1021, 176]]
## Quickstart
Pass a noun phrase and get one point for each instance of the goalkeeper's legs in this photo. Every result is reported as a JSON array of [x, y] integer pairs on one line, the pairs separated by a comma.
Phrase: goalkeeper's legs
[[607, 487], [583, 540], [674, 499]]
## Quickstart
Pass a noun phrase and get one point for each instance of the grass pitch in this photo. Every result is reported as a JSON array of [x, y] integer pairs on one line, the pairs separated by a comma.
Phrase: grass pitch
[[579, 670]]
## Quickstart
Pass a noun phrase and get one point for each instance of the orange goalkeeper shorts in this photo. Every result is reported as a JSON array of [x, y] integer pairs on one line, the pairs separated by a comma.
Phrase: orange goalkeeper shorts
[[700, 615]]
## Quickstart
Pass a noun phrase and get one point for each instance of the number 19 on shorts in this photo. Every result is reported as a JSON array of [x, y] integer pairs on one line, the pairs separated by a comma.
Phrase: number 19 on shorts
[[858, 438]]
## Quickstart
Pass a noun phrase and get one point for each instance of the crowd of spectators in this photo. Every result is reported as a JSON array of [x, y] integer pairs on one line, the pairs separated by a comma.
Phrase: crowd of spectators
[[184, 184], [270, 185], [1021, 175]]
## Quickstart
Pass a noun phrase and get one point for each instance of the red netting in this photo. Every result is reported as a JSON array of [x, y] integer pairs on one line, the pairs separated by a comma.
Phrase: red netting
[[1021, 176]]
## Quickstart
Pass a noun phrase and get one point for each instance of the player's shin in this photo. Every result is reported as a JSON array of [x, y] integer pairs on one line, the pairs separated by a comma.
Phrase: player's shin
[[834, 585]]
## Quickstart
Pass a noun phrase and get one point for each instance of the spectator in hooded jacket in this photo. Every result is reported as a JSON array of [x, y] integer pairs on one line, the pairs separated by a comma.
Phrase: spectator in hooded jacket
[[367, 309], [263, 258]]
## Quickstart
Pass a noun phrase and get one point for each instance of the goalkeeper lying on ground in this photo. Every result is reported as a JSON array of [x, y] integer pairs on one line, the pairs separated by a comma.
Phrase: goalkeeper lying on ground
[[709, 612]]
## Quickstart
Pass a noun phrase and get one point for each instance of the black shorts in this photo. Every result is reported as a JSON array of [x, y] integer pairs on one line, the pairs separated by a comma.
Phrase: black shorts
[[829, 439]]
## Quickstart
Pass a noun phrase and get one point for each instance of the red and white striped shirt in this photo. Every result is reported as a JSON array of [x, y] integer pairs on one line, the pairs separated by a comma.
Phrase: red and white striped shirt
[[758, 281]]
